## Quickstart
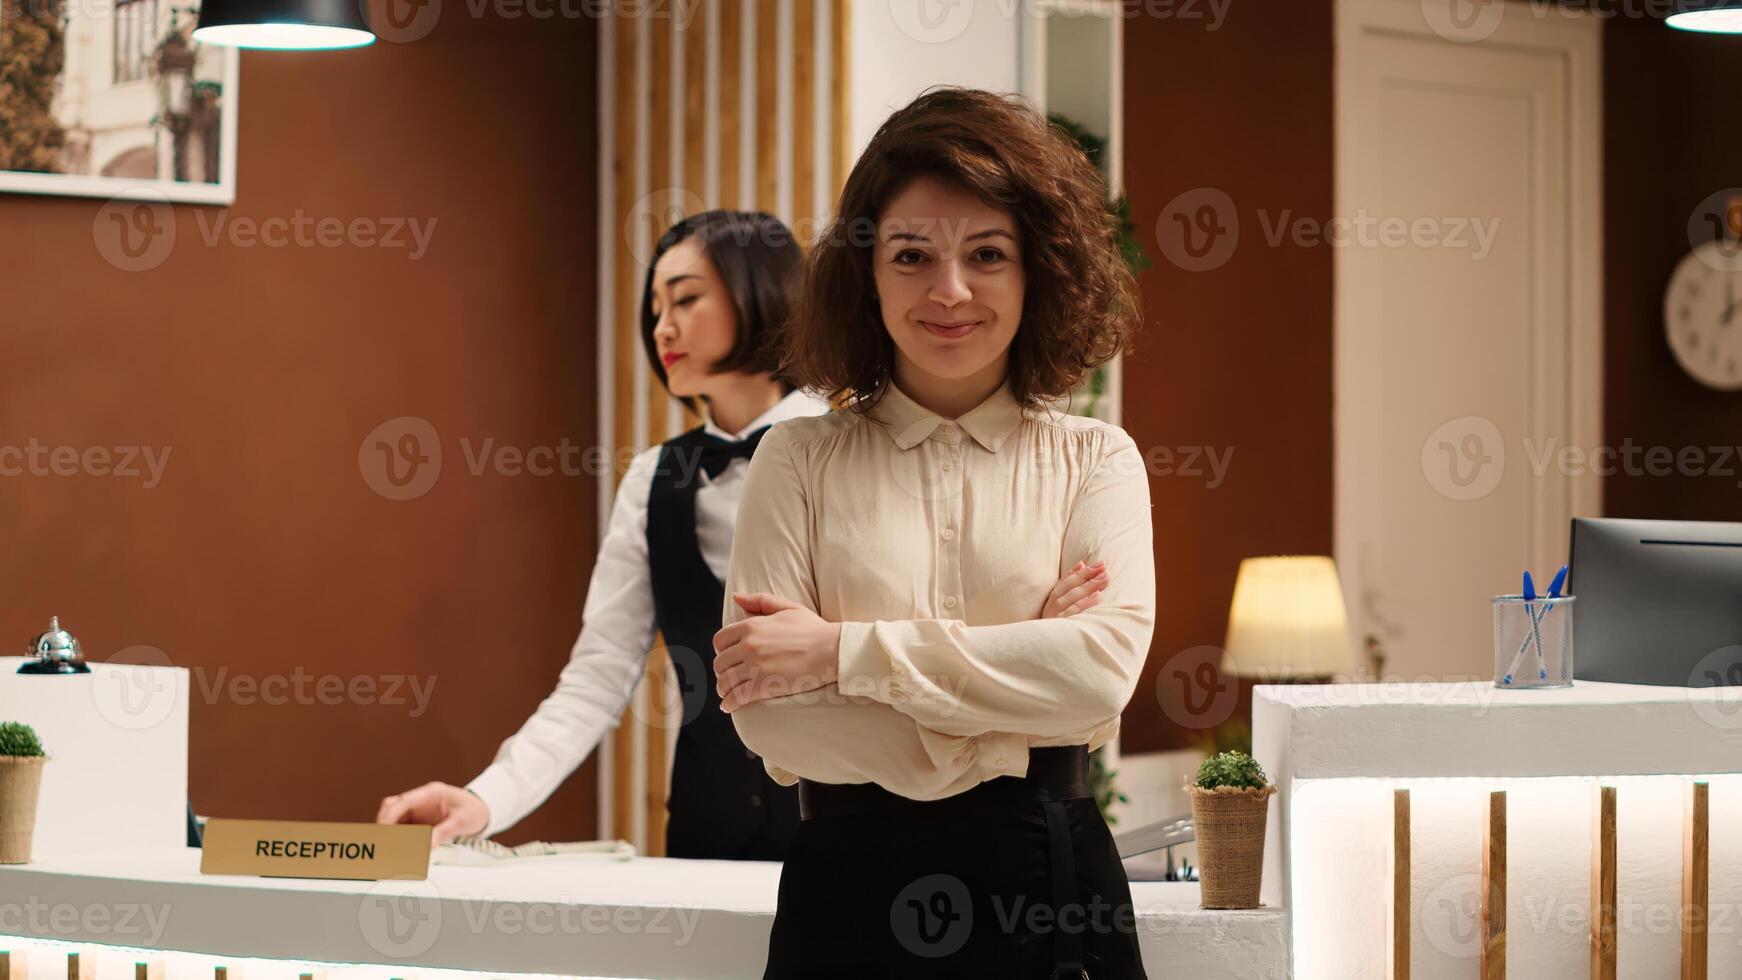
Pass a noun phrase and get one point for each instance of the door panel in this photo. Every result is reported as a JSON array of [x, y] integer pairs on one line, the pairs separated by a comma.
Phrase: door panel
[[1466, 310]]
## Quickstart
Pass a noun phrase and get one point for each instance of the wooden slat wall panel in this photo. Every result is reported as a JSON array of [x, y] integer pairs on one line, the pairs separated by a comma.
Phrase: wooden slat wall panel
[[840, 71], [667, 202], [804, 73], [625, 191], [767, 108], [661, 74], [731, 92]]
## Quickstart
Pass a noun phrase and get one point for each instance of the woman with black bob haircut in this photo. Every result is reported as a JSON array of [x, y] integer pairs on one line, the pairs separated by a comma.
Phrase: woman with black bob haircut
[[718, 287]]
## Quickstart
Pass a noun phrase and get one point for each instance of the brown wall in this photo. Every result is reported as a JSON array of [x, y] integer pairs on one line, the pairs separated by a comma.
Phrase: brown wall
[[1669, 143], [1239, 356], [1236, 358], [263, 552]]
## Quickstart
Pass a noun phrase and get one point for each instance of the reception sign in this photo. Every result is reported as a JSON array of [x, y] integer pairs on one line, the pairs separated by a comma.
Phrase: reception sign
[[309, 849]]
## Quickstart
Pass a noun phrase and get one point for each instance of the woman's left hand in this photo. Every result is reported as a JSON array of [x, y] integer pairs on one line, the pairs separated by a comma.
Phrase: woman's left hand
[[783, 648]]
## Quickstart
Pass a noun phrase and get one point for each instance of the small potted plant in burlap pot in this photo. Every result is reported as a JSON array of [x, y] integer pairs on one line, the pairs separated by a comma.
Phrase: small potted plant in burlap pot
[[21, 761], [1230, 800]]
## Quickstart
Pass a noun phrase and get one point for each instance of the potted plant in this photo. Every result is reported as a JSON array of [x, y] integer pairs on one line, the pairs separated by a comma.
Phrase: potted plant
[[21, 760], [1230, 800]]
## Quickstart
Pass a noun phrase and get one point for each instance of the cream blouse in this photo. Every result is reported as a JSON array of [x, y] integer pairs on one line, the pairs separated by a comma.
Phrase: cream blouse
[[934, 543]]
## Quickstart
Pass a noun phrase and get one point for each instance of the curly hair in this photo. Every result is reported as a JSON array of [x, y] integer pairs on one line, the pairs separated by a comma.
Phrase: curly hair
[[1079, 305]]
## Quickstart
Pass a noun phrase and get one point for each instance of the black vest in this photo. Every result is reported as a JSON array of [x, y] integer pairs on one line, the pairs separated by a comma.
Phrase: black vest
[[723, 803]]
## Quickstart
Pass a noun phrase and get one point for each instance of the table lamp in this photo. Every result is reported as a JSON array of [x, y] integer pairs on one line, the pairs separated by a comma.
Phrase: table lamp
[[1287, 620]]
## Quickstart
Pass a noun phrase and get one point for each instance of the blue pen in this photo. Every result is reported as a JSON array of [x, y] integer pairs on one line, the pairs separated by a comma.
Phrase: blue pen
[[1535, 630], [1529, 596]]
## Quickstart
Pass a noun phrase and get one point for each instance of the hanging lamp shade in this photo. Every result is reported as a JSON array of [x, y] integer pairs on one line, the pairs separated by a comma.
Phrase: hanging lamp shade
[[284, 24], [1707, 16]]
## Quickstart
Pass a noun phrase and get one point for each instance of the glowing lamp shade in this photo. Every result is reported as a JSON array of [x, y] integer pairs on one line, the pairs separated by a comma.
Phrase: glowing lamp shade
[[1707, 16], [1288, 620], [290, 25]]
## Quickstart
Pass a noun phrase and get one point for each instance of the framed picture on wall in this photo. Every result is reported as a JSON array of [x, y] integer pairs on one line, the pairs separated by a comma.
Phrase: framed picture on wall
[[114, 98]]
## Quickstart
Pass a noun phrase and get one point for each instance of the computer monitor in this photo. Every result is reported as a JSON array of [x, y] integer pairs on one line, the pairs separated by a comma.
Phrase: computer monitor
[[1659, 602]]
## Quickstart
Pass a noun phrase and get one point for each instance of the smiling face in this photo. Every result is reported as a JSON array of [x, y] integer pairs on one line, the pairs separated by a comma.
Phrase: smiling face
[[696, 323], [949, 282]]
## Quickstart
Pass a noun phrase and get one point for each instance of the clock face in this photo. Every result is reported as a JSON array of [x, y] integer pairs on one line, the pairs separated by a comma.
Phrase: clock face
[[1702, 315]]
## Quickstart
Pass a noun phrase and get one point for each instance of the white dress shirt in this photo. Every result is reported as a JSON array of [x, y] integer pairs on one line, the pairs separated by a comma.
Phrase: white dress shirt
[[934, 543], [617, 629]]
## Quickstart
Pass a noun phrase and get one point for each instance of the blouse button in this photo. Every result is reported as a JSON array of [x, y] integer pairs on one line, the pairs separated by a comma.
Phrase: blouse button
[[950, 601], [949, 534], [947, 466]]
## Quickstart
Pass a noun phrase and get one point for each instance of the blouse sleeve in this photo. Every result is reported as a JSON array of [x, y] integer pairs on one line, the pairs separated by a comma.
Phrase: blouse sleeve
[[823, 735], [617, 629], [1044, 677]]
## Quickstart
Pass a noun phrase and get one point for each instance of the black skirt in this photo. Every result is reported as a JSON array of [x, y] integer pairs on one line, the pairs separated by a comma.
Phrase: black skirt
[[1005, 880]]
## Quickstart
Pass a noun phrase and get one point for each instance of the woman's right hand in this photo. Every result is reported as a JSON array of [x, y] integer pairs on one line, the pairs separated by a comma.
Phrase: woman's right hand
[[1078, 590], [454, 812]]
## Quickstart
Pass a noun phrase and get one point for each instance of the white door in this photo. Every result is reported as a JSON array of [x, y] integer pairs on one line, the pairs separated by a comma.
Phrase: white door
[[1468, 322]]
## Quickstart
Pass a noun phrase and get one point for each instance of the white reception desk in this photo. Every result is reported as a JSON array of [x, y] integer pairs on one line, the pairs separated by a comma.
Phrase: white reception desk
[[570, 917], [120, 888]]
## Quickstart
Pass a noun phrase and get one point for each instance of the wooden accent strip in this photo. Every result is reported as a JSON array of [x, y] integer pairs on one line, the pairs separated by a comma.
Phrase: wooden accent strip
[[804, 104], [1603, 854], [651, 730], [625, 307], [695, 184], [1494, 889], [11, 968], [841, 66], [1696, 881], [625, 303], [1398, 952], [666, 206], [767, 107], [695, 104], [731, 90], [623, 781]]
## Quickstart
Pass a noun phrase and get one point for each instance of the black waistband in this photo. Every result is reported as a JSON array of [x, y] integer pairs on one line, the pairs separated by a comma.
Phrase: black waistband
[[1058, 772]]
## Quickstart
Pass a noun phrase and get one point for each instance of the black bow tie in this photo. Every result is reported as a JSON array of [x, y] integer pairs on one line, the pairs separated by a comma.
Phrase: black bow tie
[[717, 452]]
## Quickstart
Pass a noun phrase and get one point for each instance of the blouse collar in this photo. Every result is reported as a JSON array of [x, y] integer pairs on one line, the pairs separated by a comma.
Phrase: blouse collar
[[797, 404], [989, 423]]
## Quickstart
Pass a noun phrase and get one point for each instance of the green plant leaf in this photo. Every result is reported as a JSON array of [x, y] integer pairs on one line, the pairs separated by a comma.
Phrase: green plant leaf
[[1235, 769], [19, 739]]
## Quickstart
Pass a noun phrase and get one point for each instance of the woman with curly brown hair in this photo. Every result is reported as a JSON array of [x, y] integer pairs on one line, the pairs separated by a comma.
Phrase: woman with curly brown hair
[[881, 645]]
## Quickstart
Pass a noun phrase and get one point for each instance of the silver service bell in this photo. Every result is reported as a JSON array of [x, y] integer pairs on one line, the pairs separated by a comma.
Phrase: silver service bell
[[55, 651]]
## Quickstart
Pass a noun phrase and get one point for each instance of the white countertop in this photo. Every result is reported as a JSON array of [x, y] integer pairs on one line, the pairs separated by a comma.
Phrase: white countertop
[[645, 917], [1395, 731]]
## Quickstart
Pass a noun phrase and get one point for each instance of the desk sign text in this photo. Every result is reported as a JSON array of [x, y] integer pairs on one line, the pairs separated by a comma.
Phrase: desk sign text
[[307, 849]]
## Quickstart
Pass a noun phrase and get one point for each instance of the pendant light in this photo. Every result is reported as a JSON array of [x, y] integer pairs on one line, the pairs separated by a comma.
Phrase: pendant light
[[289, 25], [1707, 16]]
